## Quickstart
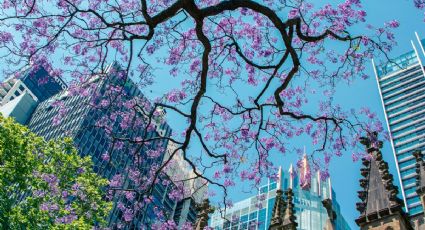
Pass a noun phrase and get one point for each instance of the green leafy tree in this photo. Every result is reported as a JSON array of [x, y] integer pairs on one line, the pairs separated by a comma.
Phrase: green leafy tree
[[47, 185]]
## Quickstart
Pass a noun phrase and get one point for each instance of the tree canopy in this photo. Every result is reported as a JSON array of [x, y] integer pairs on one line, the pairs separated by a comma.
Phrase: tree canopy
[[243, 77], [47, 185]]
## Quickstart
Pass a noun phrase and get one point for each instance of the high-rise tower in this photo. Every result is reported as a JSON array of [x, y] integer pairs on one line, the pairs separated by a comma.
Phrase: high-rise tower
[[401, 85], [79, 115]]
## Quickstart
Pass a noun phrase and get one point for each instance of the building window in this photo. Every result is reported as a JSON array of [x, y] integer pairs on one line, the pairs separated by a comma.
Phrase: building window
[[21, 88], [253, 215]]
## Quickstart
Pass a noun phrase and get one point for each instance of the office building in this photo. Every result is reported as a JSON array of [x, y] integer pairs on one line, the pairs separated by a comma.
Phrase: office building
[[79, 116], [192, 188], [256, 212], [401, 85]]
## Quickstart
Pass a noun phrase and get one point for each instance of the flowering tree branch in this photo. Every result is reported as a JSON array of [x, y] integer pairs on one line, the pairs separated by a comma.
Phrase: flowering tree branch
[[266, 57]]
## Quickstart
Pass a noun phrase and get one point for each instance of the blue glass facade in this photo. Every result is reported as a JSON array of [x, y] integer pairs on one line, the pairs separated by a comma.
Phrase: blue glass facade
[[81, 123], [255, 212], [185, 211], [402, 89], [43, 86]]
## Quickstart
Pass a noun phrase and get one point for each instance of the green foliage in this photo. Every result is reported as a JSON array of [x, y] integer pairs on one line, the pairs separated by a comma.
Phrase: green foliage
[[47, 185]]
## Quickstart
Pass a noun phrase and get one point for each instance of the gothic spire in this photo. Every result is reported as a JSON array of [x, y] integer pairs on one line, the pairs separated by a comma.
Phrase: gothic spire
[[278, 209], [279, 204], [283, 215], [379, 195], [289, 218]]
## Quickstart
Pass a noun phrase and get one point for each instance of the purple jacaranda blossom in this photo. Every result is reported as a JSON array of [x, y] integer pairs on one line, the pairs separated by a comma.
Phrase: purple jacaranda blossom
[[54, 207], [120, 206], [176, 194], [65, 194], [44, 207], [116, 181], [187, 226], [128, 215], [167, 225], [129, 195], [5, 37], [104, 103], [217, 175], [419, 4], [105, 157], [154, 153], [176, 96], [227, 168], [228, 183], [393, 24]]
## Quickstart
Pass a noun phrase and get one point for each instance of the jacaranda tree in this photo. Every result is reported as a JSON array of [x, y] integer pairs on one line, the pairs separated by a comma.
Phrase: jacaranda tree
[[47, 185], [244, 77]]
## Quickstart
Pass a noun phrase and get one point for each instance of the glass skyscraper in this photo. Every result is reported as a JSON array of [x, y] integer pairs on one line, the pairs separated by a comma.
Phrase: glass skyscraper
[[255, 212], [401, 85], [82, 121]]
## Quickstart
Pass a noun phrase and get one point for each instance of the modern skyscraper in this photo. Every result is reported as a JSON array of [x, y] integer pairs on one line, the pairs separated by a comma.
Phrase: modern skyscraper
[[401, 85], [81, 119], [256, 212]]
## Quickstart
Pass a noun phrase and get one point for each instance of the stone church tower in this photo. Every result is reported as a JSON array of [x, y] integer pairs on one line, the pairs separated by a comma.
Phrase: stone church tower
[[380, 208], [283, 215]]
